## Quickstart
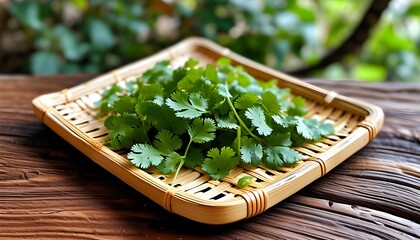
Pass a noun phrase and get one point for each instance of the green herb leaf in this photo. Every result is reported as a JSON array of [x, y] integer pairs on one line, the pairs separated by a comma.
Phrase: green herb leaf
[[191, 63], [298, 107], [211, 74], [194, 158], [280, 156], [281, 121], [223, 62], [202, 130], [251, 151], [144, 155], [227, 122], [312, 129], [108, 98], [246, 100], [187, 107], [166, 142], [124, 131], [150, 92], [124, 104], [279, 139], [161, 117], [168, 165], [270, 102], [219, 163], [257, 117], [160, 73]]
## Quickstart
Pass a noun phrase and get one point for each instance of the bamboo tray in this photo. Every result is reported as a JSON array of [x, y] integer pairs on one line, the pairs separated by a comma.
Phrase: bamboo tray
[[72, 114]]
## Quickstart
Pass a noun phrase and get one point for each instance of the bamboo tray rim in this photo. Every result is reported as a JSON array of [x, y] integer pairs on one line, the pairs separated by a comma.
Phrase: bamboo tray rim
[[247, 203]]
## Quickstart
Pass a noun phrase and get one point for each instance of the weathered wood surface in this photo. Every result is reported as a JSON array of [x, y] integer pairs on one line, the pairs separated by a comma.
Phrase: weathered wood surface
[[49, 190]]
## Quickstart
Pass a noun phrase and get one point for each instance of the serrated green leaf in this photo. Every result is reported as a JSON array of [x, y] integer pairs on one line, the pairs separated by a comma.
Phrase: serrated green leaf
[[290, 156], [166, 142], [219, 163], [150, 92], [298, 107], [185, 106], [244, 79], [269, 100], [191, 63], [153, 113], [194, 158], [124, 104], [161, 73], [276, 157], [223, 90], [161, 117], [280, 121], [257, 117], [211, 93], [304, 130], [231, 79], [169, 163], [202, 130], [251, 151], [178, 74], [223, 62], [325, 129], [279, 139], [313, 129], [131, 87], [193, 81], [124, 131], [198, 102], [227, 122], [225, 138], [246, 100], [108, 98], [144, 156], [211, 74]]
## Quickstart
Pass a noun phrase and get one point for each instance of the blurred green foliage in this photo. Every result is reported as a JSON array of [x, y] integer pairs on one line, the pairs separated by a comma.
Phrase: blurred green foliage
[[392, 51], [95, 36]]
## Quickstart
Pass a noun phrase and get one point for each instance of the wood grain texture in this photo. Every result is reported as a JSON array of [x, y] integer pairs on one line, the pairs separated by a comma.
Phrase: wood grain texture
[[49, 190]]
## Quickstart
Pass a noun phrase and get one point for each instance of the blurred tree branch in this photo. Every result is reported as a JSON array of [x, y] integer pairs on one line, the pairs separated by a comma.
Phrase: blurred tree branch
[[353, 42]]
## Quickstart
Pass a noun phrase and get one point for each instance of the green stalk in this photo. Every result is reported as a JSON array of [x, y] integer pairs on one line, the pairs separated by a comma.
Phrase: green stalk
[[145, 132], [177, 171], [181, 163], [238, 118], [238, 141], [187, 149]]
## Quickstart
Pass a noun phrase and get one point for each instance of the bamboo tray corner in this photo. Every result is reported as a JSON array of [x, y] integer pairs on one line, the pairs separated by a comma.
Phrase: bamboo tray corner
[[72, 114]]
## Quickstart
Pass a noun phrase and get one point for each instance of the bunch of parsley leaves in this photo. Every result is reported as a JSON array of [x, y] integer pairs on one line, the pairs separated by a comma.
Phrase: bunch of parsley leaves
[[212, 117]]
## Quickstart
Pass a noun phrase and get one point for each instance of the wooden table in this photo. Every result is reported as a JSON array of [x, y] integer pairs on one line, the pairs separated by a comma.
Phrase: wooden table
[[48, 189]]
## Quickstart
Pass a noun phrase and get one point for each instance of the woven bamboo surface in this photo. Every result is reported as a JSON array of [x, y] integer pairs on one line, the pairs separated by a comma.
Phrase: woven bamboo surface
[[73, 115]]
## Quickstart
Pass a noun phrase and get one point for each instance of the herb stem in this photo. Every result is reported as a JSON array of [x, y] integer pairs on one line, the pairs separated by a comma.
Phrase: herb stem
[[238, 141], [187, 149], [145, 132], [241, 122], [181, 163]]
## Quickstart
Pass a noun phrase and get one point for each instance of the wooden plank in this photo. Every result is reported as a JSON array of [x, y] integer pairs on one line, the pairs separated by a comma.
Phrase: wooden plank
[[50, 190]]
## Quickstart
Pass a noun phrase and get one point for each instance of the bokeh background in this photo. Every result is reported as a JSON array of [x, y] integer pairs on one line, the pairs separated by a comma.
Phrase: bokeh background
[[367, 40]]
